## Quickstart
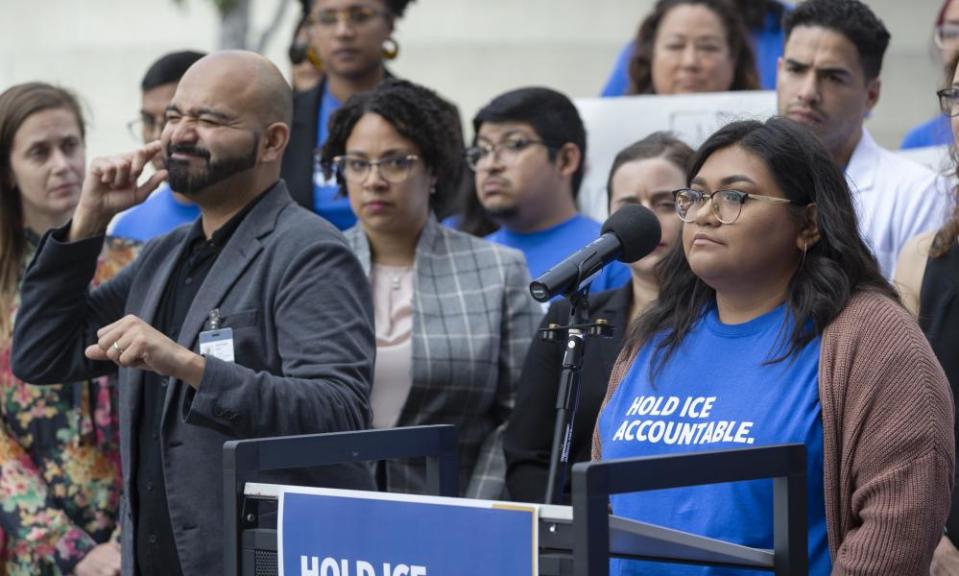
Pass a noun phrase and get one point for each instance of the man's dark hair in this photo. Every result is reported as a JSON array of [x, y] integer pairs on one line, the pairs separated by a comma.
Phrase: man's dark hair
[[416, 113], [169, 69], [835, 268], [552, 115], [851, 18]]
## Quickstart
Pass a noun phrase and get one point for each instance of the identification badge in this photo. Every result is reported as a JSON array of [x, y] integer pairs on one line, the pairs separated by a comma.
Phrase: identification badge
[[217, 343]]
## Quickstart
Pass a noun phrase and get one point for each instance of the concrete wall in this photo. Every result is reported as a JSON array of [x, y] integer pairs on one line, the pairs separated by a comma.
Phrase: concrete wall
[[469, 50]]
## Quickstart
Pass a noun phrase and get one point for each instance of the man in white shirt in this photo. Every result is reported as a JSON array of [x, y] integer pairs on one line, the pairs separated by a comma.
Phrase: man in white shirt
[[828, 80]]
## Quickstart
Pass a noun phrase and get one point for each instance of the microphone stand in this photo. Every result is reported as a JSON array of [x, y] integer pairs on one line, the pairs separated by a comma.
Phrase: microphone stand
[[567, 397]]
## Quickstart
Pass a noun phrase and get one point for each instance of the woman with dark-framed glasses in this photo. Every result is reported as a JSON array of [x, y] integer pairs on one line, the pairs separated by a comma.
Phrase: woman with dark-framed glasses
[[945, 37], [927, 277], [453, 313], [774, 325]]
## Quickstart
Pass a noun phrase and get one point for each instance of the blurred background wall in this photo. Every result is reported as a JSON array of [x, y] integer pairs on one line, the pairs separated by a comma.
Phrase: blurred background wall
[[468, 50]]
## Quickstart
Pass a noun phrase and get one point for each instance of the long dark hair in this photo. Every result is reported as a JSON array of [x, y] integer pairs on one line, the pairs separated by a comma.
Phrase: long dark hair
[[745, 76], [946, 236], [834, 268], [17, 104]]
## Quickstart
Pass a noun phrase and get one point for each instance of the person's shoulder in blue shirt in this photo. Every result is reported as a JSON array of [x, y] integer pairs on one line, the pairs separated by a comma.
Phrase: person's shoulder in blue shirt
[[159, 214], [934, 132], [546, 248]]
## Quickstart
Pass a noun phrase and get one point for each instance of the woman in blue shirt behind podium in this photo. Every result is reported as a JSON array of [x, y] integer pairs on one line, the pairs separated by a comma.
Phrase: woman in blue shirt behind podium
[[774, 325]]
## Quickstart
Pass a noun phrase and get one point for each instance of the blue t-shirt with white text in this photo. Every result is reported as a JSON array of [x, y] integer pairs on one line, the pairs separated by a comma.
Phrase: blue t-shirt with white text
[[718, 391]]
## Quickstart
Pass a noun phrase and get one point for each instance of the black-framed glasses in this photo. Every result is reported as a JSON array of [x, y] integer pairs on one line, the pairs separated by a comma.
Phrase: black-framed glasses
[[727, 204], [507, 150], [949, 101], [353, 16], [393, 169]]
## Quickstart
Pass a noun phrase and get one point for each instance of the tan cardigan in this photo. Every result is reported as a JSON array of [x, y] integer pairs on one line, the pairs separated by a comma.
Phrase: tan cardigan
[[887, 439]]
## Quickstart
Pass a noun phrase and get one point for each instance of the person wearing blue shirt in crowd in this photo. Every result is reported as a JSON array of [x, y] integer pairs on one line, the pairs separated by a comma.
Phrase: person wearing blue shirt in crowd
[[351, 41], [527, 159], [937, 131], [165, 209], [774, 325], [760, 20]]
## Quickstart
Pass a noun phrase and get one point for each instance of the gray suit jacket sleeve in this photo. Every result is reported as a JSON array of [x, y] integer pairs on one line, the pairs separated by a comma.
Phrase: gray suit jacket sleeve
[[323, 318], [520, 318], [59, 316]]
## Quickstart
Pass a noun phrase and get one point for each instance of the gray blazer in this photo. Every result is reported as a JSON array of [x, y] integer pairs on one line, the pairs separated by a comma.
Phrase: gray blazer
[[301, 313], [473, 318]]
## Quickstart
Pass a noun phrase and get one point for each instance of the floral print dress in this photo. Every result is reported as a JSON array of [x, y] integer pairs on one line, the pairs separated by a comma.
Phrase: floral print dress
[[59, 457]]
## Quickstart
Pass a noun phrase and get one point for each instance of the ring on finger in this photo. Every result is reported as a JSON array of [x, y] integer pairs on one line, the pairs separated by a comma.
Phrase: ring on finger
[[117, 348]]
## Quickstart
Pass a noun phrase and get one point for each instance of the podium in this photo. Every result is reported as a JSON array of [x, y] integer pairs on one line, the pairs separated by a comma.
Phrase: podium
[[245, 460], [572, 540]]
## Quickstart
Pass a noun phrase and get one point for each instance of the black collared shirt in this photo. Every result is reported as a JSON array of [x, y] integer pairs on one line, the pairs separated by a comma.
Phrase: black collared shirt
[[155, 545]]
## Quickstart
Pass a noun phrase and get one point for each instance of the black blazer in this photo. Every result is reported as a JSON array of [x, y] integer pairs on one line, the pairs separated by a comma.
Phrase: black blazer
[[529, 434], [297, 168]]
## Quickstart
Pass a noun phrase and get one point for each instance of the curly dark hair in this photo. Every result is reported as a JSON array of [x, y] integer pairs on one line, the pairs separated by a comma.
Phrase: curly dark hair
[[851, 18], [419, 115], [745, 76], [836, 267]]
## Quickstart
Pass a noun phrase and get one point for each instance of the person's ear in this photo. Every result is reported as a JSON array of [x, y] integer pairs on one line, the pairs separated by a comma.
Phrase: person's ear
[[809, 231], [873, 88], [568, 159], [275, 138]]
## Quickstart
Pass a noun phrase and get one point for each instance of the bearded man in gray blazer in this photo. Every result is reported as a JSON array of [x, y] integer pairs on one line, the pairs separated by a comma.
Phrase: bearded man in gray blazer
[[254, 321]]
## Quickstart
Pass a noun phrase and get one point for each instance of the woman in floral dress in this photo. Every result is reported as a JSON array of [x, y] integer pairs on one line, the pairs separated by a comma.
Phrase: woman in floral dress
[[59, 458]]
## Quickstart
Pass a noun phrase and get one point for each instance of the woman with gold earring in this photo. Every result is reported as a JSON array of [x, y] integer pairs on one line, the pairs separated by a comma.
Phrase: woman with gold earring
[[351, 40]]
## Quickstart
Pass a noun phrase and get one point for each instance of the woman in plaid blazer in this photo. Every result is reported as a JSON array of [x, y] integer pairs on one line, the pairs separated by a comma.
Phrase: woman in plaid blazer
[[453, 312]]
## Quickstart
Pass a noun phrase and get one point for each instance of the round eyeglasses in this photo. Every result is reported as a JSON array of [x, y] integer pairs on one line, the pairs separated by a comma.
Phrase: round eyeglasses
[[507, 150], [727, 204], [393, 169]]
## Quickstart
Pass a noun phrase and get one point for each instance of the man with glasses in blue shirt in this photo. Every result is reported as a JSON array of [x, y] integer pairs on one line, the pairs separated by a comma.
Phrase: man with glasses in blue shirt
[[527, 161]]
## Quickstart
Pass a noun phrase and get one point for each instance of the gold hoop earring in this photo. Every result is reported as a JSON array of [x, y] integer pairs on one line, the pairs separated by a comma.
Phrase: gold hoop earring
[[314, 59], [391, 48]]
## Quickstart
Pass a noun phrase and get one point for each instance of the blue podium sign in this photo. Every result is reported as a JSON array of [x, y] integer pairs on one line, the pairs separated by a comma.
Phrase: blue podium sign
[[326, 532]]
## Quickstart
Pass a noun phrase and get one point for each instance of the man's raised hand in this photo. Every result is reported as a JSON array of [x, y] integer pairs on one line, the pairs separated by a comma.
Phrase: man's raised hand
[[110, 187]]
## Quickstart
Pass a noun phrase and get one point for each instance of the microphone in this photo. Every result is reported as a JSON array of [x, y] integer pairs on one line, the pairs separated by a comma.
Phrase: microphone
[[629, 234]]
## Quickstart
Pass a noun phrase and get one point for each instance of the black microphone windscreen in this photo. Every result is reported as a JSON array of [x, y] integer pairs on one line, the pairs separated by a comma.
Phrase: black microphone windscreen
[[637, 229]]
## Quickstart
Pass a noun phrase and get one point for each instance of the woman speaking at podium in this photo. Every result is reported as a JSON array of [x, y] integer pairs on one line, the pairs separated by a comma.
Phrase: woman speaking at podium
[[452, 312], [774, 325]]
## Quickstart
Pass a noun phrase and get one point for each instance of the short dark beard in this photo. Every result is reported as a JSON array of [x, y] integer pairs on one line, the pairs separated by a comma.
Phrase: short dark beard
[[182, 180]]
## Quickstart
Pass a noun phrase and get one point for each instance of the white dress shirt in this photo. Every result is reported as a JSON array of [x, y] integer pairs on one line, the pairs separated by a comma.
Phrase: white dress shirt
[[895, 199]]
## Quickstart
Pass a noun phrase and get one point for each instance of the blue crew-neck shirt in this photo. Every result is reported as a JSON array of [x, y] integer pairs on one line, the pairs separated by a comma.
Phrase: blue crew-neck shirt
[[719, 391], [546, 248], [159, 213], [327, 200]]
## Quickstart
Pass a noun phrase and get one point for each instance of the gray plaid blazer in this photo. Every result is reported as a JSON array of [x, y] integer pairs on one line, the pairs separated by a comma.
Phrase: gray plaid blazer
[[473, 318]]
